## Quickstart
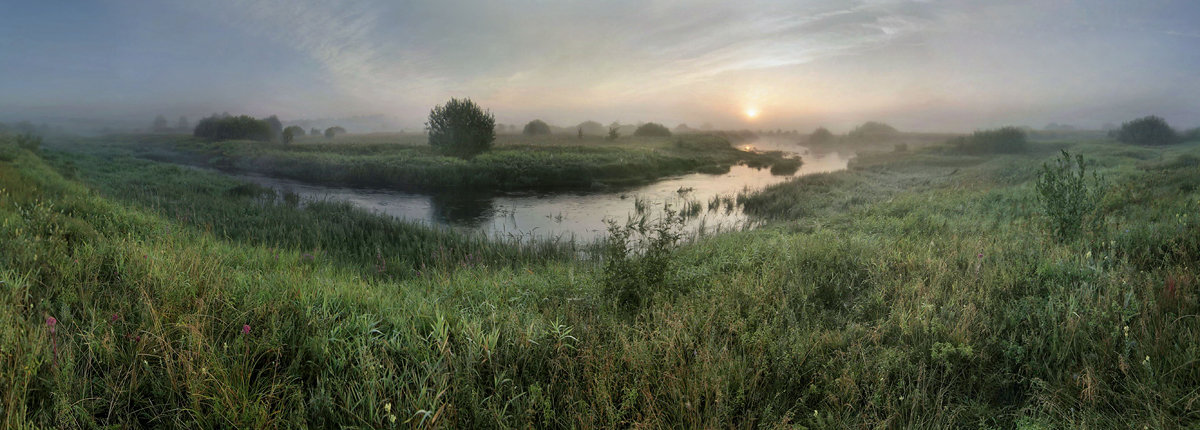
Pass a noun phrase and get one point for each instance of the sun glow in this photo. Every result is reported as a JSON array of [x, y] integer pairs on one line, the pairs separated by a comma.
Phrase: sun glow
[[751, 113]]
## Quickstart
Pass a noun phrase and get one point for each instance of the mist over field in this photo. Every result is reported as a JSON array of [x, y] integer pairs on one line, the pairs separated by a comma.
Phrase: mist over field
[[579, 214]]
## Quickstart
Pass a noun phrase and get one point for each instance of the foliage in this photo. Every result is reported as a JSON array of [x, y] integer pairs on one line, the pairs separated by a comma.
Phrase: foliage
[[652, 129], [872, 131], [160, 125], [29, 142], [334, 131], [820, 135], [637, 258], [536, 127], [1004, 140], [314, 132], [613, 133], [276, 128], [1067, 198], [461, 127], [1150, 130], [292, 132], [232, 127]]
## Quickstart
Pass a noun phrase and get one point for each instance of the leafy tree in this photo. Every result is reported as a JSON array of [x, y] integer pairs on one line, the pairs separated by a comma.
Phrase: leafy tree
[[461, 127], [593, 128], [276, 128], [872, 131], [820, 135], [1004, 140], [536, 127], [314, 132], [1150, 130], [652, 129], [182, 126], [291, 132], [160, 125], [613, 133], [219, 127], [334, 131]]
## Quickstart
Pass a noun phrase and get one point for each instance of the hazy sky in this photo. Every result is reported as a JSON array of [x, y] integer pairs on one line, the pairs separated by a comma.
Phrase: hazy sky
[[928, 65]]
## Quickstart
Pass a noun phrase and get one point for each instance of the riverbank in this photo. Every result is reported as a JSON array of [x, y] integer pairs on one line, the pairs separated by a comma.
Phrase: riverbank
[[916, 289], [516, 163]]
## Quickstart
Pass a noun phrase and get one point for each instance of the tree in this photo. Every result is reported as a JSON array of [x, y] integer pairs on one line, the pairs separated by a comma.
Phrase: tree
[[334, 131], [218, 127], [1004, 140], [314, 132], [182, 126], [536, 127], [581, 132], [290, 133], [1150, 130], [592, 128], [613, 133], [160, 125], [872, 131], [461, 127], [276, 128], [820, 135], [652, 129]]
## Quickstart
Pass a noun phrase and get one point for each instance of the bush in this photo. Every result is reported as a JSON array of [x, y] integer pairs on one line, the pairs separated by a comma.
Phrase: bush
[[334, 131], [536, 127], [291, 132], [652, 129], [1067, 198], [637, 256], [314, 132], [29, 142], [820, 135], [461, 127], [1150, 130], [1190, 135], [232, 127], [1004, 140], [872, 131], [613, 133]]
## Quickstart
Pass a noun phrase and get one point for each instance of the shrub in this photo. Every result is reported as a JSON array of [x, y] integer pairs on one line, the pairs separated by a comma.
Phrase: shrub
[[232, 127], [276, 127], [536, 127], [1067, 197], [1150, 130], [637, 256], [461, 127], [29, 142], [291, 132], [334, 131], [820, 135], [1004, 140], [1190, 135], [652, 129], [314, 132], [872, 131], [613, 133]]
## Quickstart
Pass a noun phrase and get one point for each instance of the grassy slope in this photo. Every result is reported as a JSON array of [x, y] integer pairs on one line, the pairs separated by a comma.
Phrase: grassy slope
[[516, 163], [914, 290]]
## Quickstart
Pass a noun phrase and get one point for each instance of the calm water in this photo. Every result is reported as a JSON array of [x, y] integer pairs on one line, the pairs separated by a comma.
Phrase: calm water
[[567, 215]]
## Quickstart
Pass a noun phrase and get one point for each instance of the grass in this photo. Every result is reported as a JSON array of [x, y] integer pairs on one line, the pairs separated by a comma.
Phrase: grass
[[515, 163], [917, 289]]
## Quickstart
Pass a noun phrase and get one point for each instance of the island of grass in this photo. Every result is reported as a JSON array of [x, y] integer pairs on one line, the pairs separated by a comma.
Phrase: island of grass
[[516, 162]]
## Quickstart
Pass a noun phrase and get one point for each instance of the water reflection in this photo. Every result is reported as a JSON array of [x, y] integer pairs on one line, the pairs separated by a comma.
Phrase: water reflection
[[574, 215]]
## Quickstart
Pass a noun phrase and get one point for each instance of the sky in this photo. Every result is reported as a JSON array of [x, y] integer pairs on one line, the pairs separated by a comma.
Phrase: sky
[[918, 64]]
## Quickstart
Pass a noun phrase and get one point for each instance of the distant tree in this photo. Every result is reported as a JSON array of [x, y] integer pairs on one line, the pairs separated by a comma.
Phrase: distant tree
[[314, 132], [461, 127], [334, 131], [182, 126], [872, 131], [1190, 135], [652, 129], [581, 132], [218, 127], [820, 135], [613, 133], [276, 128], [593, 128], [536, 127], [291, 132], [159, 125], [1150, 130], [1004, 140]]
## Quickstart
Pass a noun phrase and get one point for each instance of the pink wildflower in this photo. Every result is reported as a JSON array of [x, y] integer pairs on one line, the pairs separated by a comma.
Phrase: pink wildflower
[[246, 329]]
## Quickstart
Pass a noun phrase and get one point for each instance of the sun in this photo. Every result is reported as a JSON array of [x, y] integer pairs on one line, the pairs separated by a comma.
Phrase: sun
[[751, 113]]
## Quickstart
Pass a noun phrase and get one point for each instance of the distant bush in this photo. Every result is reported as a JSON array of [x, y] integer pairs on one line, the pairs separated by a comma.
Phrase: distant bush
[[872, 131], [652, 129], [1004, 140], [1190, 135], [334, 131], [232, 127], [290, 133], [160, 125], [314, 132], [461, 127], [29, 142], [1068, 199], [276, 128], [820, 135], [592, 128], [536, 127], [613, 133], [1150, 130]]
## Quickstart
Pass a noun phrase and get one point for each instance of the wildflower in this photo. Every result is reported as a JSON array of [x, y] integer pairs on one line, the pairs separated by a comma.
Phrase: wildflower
[[980, 255], [245, 328], [51, 322], [115, 317], [387, 407]]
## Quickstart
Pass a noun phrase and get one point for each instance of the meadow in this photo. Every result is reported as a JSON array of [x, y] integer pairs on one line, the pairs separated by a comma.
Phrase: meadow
[[919, 288], [406, 162]]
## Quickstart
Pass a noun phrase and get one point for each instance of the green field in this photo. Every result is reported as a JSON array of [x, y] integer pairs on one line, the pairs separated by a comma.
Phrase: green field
[[918, 289], [518, 162]]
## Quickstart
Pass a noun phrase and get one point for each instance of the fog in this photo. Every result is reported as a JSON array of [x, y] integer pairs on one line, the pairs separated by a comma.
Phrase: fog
[[919, 65]]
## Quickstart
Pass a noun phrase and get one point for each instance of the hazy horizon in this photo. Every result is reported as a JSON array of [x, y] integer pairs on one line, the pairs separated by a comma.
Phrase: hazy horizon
[[919, 65]]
